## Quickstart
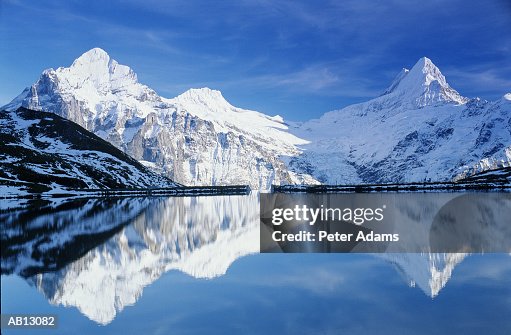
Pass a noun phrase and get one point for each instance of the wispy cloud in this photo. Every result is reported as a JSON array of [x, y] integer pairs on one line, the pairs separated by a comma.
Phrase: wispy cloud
[[311, 78], [481, 79], [315, 79]]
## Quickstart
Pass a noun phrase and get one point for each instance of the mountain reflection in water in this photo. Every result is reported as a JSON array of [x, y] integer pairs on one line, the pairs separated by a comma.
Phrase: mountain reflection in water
[[99, 254]]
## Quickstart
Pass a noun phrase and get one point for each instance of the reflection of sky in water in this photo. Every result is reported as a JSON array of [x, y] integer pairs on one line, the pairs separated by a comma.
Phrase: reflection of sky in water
[[300, 294]]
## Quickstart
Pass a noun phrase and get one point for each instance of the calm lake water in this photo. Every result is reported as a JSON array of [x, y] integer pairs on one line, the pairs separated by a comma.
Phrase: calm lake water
[[191, 265]]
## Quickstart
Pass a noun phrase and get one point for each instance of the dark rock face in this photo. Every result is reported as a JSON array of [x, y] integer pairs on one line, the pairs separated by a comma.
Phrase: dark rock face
[[42, 151]]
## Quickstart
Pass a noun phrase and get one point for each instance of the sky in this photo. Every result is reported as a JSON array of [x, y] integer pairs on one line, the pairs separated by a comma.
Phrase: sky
[[297, 59]]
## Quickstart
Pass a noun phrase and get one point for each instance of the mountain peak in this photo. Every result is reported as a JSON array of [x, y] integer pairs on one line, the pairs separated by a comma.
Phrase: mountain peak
[[213, 99], [96, 67], [204, 92], [92, 78], [425, 61], [424, 85], [425, 72], [92, 56]]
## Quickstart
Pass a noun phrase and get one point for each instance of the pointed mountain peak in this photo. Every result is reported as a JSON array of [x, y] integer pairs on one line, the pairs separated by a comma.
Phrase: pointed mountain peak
[[424, 62], [424, 85], [425, 72], [98, 68], [93, 55]]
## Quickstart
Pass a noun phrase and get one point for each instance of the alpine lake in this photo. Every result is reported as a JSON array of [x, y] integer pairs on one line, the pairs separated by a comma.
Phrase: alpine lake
[[191, 265]]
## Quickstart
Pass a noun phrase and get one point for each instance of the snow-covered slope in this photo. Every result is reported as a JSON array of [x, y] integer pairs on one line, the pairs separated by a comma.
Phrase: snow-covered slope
[[43, 152], [418, 129], [197, 138]]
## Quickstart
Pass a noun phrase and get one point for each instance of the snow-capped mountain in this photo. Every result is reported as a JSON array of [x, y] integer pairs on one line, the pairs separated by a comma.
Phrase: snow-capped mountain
[[419, 129], [423, 85], [43, 152], [197, 138]]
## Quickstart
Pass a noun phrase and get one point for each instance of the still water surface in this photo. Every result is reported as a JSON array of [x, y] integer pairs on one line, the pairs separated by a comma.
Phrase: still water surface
[[191, 265]]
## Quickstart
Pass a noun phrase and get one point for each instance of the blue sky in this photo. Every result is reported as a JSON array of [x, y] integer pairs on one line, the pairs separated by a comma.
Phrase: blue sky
[[298, 59]]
